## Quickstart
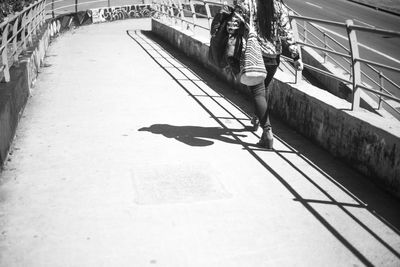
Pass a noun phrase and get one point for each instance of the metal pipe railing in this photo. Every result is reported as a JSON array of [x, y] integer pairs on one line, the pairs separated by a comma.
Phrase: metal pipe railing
[[352, 57], [175, 10], [24, 25], [355, 58]]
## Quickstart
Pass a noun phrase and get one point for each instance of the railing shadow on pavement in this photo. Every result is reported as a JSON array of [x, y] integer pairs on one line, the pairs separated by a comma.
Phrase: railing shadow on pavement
[[369, 202]]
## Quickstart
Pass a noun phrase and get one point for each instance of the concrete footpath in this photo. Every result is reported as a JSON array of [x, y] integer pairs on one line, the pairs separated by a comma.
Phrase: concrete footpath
[[129, 154]]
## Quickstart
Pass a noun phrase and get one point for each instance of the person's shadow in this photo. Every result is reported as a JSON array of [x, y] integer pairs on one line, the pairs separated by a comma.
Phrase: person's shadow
[[196, 135]]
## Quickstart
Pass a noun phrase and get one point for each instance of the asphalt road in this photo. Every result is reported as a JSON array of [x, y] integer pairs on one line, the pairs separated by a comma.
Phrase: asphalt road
[[375, 47]]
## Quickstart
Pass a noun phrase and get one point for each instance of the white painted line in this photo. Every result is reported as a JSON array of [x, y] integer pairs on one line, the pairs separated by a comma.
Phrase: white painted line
[[311, 4], [369, 25], [362, 45]]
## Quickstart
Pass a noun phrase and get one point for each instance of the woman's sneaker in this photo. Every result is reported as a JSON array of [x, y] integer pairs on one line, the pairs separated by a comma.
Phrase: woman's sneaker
[[267, 138]]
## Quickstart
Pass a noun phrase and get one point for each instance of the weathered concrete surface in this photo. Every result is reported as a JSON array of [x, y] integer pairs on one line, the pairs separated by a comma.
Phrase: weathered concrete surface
[[14, 94], [132, 155], [363, 139]]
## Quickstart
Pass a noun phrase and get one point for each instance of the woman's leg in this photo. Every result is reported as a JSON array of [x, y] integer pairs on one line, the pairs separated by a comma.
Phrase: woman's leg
[[271, 70], [258, 93], [261, 97]]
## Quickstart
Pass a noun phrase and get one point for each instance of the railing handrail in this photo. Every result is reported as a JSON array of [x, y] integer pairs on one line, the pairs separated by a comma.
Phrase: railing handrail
[[24, 23], [186, 13], [352, 27], [351, 56], [13, 17]]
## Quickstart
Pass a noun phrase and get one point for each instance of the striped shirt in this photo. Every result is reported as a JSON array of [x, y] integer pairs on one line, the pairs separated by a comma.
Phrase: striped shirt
[[281, 34]]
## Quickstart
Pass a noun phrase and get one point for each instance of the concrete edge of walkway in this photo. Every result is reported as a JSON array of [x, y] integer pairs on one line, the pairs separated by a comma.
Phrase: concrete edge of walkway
[[14, 94], [364, 140], [375, 5]]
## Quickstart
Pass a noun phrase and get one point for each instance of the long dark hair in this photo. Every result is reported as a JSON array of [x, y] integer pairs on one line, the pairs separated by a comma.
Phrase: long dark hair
[[265, 17]]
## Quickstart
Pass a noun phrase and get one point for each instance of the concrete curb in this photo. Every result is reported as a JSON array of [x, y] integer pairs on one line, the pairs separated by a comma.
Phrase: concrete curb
[[14, 94], [376, 7], [362, 139]]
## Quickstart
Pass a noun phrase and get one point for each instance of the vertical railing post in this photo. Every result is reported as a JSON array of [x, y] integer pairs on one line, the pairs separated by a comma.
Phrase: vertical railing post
[[299, 73], [162, 10], [356, 68], [172, 12], [4, 58], [208, 13], [52, 9], [23, 32], [109, 3], [29, 22], [325, 46], [43, 13], [181, 14], [193, 10], [14, 33], [33, 20], [381, 81], [76, 6]]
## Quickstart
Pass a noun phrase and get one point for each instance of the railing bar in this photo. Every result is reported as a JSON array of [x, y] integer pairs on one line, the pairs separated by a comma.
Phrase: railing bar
[[16, 34], [323, 49], [198, 14], [389, 105], [340, 65], [326, 73], [79, 4], [377, 64], [377, 84], [334, 23], [189, 22], [385, 77], [391, 97], [319, 70], [332, 58], [16, 15], [320, 31], [374, 30], [330, 38], [369, 78], [54, 2]]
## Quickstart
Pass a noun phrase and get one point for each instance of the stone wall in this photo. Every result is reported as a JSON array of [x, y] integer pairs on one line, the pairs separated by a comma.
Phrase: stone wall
[[14, 94]]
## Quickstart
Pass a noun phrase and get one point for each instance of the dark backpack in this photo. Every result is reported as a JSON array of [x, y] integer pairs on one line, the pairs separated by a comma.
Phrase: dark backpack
[[219, 41], [219, 37]]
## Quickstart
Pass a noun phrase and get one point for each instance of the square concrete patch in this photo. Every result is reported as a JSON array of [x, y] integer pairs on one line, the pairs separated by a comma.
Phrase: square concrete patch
[[177, 183]]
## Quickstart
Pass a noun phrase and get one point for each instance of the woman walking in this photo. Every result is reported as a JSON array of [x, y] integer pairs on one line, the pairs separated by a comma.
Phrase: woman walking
[[271, 23]]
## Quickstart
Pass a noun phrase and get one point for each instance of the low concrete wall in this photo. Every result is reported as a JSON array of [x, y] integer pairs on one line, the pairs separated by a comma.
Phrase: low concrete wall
[[339, 88], [365, 140], [14, 94]]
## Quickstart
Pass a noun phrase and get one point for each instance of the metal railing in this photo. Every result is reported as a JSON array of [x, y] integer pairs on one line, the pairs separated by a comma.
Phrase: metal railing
[[363, 73], [57, 7], [17, 33], [19, 30], [309, 34]]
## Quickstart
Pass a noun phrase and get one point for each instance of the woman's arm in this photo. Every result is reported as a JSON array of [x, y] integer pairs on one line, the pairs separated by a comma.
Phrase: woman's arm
[[285, 31]]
